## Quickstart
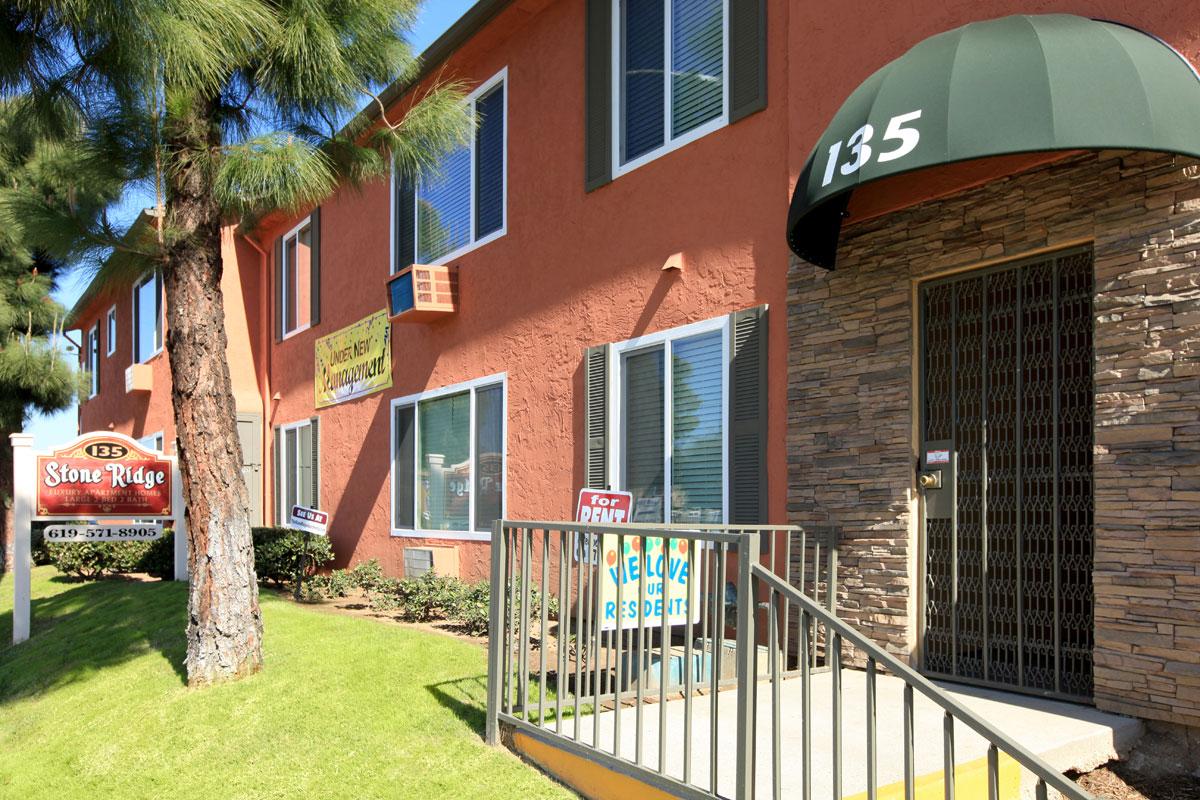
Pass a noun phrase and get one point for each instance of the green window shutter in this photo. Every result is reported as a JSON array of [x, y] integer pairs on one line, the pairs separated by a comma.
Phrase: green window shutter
[[279, 289], [276, 462], [315, 263], [598, 94], [595, 417], [315, 432], [748, 418], [747, 57]]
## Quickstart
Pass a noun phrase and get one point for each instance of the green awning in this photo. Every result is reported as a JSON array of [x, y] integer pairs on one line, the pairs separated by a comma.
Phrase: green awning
[[1020, 84]]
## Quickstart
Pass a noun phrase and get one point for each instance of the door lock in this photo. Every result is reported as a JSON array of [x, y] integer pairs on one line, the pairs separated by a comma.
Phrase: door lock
[[931, 479]]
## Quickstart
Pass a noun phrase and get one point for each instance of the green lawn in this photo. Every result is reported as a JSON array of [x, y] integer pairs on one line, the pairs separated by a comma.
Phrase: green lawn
[[94, 706]]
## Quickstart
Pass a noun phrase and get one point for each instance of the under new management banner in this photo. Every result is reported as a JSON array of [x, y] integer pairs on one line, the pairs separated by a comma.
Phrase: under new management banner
[[355, 361]]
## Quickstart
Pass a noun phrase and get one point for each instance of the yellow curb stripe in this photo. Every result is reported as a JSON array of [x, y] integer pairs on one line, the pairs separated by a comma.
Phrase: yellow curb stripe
[[970, 781]]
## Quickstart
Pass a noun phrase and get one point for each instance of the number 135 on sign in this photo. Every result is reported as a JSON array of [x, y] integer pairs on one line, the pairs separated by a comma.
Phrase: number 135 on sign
[[860, 149]]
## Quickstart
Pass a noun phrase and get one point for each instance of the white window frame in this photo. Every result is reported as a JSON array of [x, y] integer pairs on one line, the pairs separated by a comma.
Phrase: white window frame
[[618, 111], [134, 315], [616, 403], [500, 77], [110, 330], [417, 532], [151, 441], [93, 360], [283, 279], [283, 467]]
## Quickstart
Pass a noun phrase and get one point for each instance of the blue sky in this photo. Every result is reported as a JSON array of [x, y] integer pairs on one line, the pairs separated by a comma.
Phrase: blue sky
[[436, 16]]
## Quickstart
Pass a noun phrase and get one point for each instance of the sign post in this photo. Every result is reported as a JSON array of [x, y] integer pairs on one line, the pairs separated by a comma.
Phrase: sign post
[[312, 522], [98, 476], [23, 491]]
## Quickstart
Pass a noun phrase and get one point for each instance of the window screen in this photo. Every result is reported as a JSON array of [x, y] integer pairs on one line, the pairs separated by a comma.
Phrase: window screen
[[691, 33], [147, 318], [644, 421], [404, 465], [489, 163], [697, 492], [463, 200], [444, 442], [489, 456]]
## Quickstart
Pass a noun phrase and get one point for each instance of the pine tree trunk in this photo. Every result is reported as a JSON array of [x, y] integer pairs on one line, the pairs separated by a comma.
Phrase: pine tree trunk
[[224, 633]]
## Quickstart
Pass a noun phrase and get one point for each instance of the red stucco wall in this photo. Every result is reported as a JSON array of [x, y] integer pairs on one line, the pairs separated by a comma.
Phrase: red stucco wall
[[575, 268]]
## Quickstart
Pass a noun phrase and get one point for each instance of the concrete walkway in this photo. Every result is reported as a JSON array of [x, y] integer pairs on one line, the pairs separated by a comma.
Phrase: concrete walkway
[[1069, 737]]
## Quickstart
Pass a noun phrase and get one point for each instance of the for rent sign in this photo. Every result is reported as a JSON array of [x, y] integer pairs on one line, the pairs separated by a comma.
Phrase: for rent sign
[[666, 571], [103, 476], [599, 506], [355, 361]]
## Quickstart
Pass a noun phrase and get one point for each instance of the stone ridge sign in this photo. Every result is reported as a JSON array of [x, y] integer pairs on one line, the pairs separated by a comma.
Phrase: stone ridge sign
[[102, 475]]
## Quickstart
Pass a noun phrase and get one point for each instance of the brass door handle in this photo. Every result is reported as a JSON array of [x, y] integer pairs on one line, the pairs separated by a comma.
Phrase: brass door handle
[[930, 480]]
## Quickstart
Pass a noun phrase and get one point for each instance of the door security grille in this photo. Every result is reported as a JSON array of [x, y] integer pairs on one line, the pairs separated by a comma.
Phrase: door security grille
[[1006, 417]]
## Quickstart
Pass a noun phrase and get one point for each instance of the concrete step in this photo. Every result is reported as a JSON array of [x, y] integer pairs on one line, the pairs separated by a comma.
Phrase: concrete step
[[1067, 736]]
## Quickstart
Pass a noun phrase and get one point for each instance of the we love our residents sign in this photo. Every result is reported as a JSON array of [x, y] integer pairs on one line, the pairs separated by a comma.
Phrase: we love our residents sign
[[666, 571], [103, 476], [354, 362]]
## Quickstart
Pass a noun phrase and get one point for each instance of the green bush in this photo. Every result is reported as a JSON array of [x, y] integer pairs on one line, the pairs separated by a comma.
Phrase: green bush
[[472, 608], [91, 560], [278, 552], [429, 596], [37, 542], [368, 575], [159, 559]]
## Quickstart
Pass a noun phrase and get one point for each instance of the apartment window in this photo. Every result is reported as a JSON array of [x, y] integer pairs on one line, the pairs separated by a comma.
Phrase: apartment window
[[448, 460], [670, 82], [147, 318], [152, 442], [297, 467], [461, 205], [93, 360], [672, 441], [110, 332], [296, 285]]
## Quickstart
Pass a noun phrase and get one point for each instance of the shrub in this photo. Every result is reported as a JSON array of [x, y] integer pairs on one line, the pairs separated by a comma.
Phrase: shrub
[[368, 575], [279, 551], [472, 608], [429, 596], [159, 559], [40, 551], [333, 584]]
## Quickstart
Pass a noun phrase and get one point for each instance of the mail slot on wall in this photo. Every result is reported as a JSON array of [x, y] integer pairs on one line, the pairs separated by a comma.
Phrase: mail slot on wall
[[936, 479], [421, 293]]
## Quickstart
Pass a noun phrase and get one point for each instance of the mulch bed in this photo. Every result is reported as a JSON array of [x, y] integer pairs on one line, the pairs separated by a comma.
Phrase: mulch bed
[[1117, 782]]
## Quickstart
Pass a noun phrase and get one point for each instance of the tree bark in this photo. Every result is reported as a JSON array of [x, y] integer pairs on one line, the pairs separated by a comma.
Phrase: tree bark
[[224, 632]]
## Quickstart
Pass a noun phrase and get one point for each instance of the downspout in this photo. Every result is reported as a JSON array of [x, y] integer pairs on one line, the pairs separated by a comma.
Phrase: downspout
[[264, 373]]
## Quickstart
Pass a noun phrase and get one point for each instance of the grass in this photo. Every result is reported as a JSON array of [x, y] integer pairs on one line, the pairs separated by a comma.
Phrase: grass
[[95, 705]]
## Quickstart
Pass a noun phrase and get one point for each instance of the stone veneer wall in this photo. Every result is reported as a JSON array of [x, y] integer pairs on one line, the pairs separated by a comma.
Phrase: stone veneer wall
[[851, 450]]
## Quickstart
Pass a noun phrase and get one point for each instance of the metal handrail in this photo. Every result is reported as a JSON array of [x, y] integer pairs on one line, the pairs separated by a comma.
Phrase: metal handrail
[[590, 666], [1046, 774]]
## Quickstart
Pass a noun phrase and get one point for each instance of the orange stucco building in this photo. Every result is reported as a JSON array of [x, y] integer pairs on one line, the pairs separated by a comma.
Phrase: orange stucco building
[[626, 311]]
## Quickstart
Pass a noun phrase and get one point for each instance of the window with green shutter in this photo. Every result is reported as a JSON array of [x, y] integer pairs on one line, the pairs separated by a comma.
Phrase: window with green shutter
[[662, 73], [689, 421]]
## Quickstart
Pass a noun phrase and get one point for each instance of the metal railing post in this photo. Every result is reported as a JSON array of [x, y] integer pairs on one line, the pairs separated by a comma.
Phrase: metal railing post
[[748, 555], [496, 637]]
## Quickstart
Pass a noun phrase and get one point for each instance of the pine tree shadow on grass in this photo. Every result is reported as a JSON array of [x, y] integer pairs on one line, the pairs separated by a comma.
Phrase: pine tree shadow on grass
[[89, 627]]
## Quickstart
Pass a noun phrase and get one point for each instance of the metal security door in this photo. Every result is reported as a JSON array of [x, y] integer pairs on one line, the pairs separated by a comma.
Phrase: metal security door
[[1006, 474]]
